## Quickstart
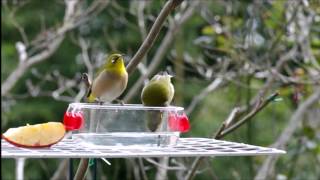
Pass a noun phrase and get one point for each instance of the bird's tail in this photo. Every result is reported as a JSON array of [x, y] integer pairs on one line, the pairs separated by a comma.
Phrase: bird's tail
[[154, 120]]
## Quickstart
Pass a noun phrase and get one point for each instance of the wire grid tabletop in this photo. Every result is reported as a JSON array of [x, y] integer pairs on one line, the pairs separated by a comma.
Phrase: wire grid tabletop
[[186, 147]]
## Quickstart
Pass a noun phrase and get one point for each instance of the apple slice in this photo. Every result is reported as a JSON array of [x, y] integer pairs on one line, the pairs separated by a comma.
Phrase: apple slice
[[35, 136]]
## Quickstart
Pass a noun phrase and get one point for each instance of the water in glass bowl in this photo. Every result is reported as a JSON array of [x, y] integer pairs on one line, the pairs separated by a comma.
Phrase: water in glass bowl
[[129, 138]]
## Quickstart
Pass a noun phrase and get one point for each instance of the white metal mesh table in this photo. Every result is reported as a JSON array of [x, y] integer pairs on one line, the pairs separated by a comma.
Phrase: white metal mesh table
[[186, 147]]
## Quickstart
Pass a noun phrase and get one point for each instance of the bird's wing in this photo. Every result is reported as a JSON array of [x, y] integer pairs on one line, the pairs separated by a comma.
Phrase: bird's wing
[[95, 76]]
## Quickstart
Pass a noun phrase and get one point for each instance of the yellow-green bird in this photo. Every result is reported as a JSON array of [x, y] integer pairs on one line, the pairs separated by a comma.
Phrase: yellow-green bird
[[111, 80], [159, 91]]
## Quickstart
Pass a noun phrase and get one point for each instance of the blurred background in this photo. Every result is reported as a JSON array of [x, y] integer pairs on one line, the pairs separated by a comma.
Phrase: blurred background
[[223, 54]]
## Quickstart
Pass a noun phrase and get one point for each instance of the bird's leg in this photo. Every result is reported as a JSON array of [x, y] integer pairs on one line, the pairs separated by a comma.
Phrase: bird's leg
[[120, 101], [100, 102]]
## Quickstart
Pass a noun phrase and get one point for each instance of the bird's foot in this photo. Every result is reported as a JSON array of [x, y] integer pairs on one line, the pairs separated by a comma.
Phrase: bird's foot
[[120, 101], [100, 102]]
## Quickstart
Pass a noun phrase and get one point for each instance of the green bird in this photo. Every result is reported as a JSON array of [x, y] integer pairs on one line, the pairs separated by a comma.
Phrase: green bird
[[111, 80], [159, 91]]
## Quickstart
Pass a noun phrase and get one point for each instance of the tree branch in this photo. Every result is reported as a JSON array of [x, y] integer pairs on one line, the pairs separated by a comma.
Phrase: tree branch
[[162, 173], [295, 121], [82, 169], [142, 168], [160, 165], [72, 19], [153, 34], [61, 172], [271, 79], [166, 42], [261, 105], [225, 129], [212, 86]]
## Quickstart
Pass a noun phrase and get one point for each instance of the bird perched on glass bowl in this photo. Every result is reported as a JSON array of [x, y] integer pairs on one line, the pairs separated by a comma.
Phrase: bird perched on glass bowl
[[110, 82], [159, 91]]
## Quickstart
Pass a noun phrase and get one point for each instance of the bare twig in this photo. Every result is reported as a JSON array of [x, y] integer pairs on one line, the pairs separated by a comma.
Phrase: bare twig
[[164, 166], [85, 56], [153, 33], [24, 65], [280, 63], [61, 171], [140, 15], [212, 173], [271, 79], [82, 169], [227, 122], [21, 31], [142, 27], [135, 168], [259, 107], [162, 172], [142, 169], [64, 85], [72, 19], [17, 24], [225, 130], [295, 121], [212, 86]]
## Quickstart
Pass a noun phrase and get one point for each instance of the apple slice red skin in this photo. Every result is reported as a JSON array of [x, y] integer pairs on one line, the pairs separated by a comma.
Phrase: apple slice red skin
[[27, 146]]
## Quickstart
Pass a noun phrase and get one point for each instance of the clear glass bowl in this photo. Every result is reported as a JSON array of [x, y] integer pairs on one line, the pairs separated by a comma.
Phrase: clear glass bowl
[[123, 125]]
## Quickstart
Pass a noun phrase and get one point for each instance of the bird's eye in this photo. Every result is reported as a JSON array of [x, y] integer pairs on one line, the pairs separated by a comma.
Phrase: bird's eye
[[114, 59]]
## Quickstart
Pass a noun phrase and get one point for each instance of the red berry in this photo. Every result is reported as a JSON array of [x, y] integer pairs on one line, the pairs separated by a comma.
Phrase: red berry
[[184, 124], [173, 122], [179, 122], [73, 121]]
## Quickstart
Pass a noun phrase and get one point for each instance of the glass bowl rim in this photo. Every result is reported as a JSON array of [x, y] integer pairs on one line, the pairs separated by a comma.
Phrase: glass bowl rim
[[123, 107]]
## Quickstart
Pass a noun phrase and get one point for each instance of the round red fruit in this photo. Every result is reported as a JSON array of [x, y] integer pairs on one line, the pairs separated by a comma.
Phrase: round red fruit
[[73, 121], [179, 122]]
